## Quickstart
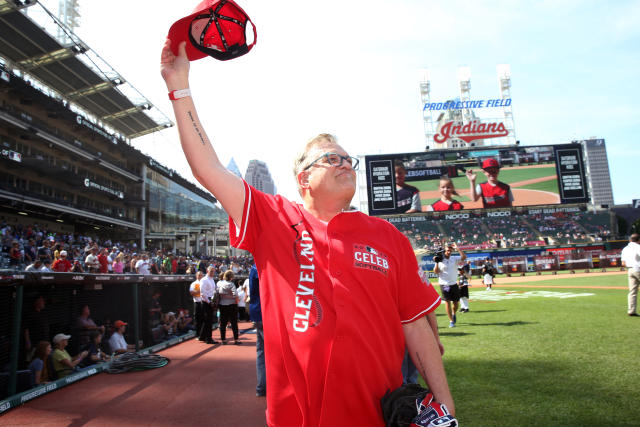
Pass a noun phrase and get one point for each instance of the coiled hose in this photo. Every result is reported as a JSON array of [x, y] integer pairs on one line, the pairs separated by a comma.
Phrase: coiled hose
[[131, 361]]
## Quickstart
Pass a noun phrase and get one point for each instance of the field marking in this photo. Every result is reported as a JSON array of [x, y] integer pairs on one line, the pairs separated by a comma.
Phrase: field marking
[[501, 295], [557, 287]]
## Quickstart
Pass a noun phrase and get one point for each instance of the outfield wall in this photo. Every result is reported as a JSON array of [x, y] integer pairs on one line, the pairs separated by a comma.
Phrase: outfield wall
[[546, 259]]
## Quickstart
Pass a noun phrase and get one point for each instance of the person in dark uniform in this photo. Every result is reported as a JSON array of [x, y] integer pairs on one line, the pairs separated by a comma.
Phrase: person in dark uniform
[[407, 197]]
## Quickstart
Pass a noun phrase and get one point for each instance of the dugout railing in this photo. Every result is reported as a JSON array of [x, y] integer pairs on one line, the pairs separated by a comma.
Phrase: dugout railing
[[110, 297]]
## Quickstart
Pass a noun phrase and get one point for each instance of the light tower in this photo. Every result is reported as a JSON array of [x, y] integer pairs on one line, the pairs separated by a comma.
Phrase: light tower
[[464, 80], [425, 98], [504, 84], [69, 15]]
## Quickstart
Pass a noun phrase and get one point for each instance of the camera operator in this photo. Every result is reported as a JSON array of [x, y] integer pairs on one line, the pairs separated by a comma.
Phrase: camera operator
[[447, 270]]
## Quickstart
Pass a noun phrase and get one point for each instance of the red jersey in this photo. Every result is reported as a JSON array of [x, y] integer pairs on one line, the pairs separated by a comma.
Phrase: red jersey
[[496, 196], [334, 296], [104, 262], [443, 206], [61, 265]]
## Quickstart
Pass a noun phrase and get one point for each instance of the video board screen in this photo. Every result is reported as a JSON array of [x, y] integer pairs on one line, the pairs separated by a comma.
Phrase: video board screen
[[479, 178]]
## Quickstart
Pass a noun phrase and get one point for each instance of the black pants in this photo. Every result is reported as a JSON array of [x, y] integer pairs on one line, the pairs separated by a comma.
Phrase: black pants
[[197, 315], [207, 319], [229, 314]]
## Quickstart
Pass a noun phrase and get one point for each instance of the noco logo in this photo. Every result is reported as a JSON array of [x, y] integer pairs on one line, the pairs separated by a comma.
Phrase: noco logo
[[503, 213], [457, 216]]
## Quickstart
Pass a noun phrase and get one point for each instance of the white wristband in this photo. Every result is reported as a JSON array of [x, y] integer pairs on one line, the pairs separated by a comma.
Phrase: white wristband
[[177, 94]]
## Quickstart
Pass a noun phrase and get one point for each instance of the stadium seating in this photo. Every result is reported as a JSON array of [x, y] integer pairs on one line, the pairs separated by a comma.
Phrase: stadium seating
[[515, 231]]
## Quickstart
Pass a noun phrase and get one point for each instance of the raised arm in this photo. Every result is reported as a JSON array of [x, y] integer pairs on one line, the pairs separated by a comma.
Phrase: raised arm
[[202, 158], [472, 182]]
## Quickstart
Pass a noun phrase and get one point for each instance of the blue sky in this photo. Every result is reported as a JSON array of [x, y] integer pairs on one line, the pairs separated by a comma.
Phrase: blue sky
[[352, 68]]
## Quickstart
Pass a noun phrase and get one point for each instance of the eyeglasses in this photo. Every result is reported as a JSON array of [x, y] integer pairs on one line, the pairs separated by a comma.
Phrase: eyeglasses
[[335, 160]]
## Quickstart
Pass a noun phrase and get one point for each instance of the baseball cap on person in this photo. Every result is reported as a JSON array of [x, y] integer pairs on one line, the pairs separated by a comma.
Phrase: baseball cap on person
[[490, 163], [216, 28], [63, 253], [60, 337], [119, 323]]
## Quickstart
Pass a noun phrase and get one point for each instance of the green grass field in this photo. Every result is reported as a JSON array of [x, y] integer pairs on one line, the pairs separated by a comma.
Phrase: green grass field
[[545, 357], [507, 175]]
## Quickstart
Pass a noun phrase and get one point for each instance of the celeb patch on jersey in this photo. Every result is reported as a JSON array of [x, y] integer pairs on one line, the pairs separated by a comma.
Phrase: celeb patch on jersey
[[367, 257]]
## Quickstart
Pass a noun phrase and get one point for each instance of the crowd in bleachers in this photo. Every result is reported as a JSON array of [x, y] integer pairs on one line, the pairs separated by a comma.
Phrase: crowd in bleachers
[[510, 231], [35, 248]]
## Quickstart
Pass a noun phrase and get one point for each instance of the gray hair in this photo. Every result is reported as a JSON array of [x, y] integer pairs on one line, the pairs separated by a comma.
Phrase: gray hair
[[301, 159]]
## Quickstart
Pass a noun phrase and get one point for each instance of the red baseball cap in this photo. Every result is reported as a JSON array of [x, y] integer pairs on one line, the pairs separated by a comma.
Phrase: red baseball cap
[[119, 323], [216, 28], [490, 163]]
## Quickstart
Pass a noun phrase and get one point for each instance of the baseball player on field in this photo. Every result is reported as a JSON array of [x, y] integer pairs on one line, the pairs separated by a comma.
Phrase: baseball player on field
[[340, 291]]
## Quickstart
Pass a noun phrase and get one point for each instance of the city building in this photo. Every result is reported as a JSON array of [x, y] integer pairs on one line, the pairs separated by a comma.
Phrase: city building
[[233, 168], [259, 177]]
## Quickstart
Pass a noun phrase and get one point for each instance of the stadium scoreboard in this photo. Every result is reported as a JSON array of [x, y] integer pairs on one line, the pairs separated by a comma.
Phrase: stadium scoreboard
[[536, 175]]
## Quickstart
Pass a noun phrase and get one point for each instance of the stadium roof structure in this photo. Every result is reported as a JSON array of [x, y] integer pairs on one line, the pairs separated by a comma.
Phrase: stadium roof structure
[[75, 73]]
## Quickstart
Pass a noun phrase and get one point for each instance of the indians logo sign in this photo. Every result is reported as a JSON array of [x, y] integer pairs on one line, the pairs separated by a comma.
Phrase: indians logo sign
[[470, 131]]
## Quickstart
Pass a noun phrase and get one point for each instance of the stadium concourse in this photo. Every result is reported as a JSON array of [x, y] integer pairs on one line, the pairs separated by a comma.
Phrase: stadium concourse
[[203, 384]]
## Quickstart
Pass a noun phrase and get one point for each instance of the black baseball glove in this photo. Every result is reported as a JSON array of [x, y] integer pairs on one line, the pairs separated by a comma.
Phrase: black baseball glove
[[414, 406]]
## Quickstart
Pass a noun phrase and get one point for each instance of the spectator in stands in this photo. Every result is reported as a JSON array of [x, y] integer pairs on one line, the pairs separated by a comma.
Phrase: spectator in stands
[[44, 252], [56, 251], [170, 324], [62, 264], [91, 261], [631, 259], [15, 256], [132, 263], [407, 197], [39, 366], [111, 258], [36, 267], [63, 364], [446, 202], [118, 264], [495, 194], [85, 325], [181, 267], [77, 267], [154, 310], [30, 251], [228, 307], [95, 354], [157, 263], [117, 342], [167, 264], [103, 261], [142, 266], [36, 326]]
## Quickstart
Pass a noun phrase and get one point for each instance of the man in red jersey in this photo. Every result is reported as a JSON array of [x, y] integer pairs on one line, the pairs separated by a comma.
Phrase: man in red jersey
[[62, 264], [340, 291], [495, 194]]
